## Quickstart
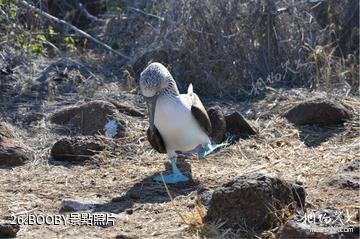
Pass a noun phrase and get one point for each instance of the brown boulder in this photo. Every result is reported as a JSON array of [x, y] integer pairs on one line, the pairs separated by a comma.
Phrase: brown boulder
[[76, 149], [218, 123], [12, 151], [95, 117], [253, 200], [319, 112], [238, 126]]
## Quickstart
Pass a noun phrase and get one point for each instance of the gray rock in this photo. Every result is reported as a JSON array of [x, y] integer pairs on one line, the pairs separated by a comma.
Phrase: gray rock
[[253, 200]]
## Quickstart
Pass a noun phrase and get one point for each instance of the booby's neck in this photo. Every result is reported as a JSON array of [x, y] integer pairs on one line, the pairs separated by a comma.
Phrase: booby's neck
[[171, 89]]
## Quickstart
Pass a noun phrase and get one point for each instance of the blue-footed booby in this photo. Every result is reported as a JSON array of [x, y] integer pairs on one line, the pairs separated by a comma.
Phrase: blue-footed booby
[[178, 122]]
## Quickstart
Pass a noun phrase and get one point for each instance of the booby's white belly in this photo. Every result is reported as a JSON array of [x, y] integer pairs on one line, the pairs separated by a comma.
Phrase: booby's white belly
[[176, 124]]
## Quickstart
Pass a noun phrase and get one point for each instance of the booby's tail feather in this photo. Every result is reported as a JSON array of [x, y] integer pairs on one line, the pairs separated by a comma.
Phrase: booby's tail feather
[[190, 89]]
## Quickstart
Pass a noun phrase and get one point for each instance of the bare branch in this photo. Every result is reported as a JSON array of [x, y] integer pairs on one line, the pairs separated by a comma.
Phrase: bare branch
[[26, 5]]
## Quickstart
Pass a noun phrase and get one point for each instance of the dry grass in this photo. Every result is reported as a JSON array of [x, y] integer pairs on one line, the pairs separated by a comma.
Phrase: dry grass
[[125, 170], [223, 48], [218, 45]]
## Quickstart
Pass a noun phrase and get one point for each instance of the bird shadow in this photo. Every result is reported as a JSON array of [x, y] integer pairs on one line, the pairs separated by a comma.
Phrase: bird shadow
[[149, 191], [314, 135]]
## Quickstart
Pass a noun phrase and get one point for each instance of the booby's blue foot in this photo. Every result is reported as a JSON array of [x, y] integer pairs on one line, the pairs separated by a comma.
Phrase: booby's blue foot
[[171, 178], [209, 148]]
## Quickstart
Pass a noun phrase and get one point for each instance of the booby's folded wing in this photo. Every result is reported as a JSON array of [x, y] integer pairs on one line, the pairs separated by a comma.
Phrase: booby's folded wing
[[199, 112], [156, 140]]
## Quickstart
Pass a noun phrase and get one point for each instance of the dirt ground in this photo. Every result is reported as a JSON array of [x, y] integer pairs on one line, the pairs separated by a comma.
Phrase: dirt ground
[[120, 178], [219, 46]]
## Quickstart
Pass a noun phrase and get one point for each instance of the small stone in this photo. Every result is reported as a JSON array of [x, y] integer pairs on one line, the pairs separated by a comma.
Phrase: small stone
[[124, 236], [69, 205], [78, 148], [129, 211]]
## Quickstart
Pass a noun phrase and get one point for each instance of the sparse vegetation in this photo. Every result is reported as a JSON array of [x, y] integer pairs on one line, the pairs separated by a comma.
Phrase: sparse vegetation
[[257, 57]]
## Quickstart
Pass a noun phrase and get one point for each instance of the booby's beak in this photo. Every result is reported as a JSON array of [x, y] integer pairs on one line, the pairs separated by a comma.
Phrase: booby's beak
[[151, 104]]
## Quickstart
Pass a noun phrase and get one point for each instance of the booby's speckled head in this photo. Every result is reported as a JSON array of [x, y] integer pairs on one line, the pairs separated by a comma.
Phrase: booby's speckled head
[[156, 79]]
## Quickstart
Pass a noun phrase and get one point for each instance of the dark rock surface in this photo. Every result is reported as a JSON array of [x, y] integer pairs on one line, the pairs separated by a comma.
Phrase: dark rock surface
[[319, 112], [238, 126], [76, 149], [92, 118], [253, 200], [347, 177], [12, 151], [8, 230], [218, 124]]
